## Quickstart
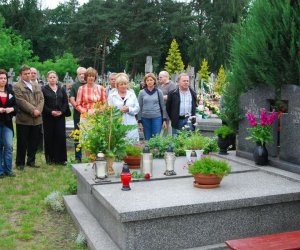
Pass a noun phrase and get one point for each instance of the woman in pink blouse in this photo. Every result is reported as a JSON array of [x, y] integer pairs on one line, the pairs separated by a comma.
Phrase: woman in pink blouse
[[90, 93]]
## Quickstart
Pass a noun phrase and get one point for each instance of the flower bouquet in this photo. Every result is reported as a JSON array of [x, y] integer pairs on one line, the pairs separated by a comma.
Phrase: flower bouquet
[[261, 132]]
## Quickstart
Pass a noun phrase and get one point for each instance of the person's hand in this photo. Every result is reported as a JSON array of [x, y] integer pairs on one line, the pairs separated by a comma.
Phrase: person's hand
[[2, 110], [54, 113], [9, 110], [124, 109], [164, 125], [36, 113]]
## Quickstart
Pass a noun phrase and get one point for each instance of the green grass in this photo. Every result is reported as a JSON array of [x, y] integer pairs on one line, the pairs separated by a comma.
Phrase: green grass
[[25, 221]]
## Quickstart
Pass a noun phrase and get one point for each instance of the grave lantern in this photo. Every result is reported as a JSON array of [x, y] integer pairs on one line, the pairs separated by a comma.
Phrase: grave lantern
[[147, 161], [170, 161], [125, 178], [100, 166]]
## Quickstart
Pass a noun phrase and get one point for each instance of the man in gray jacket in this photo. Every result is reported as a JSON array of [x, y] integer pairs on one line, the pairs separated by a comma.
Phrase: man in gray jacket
[[30, 100]]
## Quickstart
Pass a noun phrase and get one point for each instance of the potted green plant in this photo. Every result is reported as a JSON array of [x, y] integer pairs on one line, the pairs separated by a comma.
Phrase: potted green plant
[[133, 155], [103, 131], [224, 132], [261, 133], [194, 145], [208, 172]]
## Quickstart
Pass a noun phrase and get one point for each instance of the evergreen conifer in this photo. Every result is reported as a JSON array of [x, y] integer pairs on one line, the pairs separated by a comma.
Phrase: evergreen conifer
[[174, 63], [265, 51], [221, 78], [204, 73]]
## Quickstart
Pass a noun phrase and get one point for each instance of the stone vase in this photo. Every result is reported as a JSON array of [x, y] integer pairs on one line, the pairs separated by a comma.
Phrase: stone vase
[[223, 144], [260, 154]]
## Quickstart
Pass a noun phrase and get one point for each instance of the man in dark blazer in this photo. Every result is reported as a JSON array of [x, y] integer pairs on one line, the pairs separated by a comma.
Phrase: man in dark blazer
[[181, 105]]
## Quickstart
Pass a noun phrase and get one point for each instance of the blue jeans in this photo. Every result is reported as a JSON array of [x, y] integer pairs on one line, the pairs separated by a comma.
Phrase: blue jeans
[[182, 123], [6, 149], [152, 126]]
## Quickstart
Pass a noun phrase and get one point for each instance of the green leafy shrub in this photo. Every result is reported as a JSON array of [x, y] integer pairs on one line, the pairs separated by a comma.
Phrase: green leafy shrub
[[224, 131], [133, 150], [55, 201], [208, 165], [211, 145], [158, 145], [195, 141]]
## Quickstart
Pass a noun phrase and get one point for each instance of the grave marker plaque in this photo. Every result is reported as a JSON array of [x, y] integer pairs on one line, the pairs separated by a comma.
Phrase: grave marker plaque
[[253, 101]]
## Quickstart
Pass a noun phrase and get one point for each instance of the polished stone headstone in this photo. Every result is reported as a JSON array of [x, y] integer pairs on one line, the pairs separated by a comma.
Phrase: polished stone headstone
[[290, 125], [253, 101]]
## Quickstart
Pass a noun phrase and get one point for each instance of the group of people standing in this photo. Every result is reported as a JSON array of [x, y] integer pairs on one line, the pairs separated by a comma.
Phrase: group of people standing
[[159, 103]]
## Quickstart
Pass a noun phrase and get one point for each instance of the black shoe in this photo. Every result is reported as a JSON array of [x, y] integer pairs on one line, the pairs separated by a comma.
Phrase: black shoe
[[2, 176], [20, 167], [10, 174], [32, 165]]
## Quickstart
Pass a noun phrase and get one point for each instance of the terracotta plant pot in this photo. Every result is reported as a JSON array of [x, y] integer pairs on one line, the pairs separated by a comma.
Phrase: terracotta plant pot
[[132, 161], [206, 180]]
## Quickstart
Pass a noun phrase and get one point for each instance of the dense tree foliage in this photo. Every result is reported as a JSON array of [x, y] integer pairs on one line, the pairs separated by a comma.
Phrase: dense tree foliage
[[14, 50], [117, 35], [265, 51]]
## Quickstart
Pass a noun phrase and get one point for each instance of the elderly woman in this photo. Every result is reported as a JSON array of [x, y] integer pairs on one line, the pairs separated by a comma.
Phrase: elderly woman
[[90, 93], [125, 100], [54, 122], [8, 109], [152, 115]]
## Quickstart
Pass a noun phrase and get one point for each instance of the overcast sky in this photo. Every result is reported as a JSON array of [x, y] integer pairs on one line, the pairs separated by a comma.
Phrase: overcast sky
[[51, 4]]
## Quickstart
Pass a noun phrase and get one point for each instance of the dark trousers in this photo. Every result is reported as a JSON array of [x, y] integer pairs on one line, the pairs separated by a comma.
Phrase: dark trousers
[[27, 141], [78, 155]]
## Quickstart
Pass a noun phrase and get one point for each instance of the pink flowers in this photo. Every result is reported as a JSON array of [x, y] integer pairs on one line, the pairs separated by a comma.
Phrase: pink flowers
[[265, 119], [251, 119], [262, 132]]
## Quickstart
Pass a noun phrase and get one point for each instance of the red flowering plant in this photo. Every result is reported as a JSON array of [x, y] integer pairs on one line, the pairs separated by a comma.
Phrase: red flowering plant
[[261, 133]]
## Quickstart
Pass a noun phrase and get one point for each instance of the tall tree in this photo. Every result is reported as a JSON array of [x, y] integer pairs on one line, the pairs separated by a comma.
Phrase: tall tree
[[14, 50], [265, 51], [92, 31], [174, 62]]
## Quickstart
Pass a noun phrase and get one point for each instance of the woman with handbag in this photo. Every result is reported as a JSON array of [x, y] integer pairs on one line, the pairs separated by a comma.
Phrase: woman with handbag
[[152, 116], [56, 108]]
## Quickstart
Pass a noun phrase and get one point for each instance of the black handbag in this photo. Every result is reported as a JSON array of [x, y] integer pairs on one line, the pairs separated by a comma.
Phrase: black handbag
[[68, 111]]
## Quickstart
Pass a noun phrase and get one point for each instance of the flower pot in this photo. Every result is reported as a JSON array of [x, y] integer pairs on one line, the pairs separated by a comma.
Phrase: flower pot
[[260, 154], [132, 161], [223, 144], [207, 180]]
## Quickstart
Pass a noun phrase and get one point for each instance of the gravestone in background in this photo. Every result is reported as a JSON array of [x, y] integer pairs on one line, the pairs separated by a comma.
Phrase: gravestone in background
[[10, 75], [174, 78], [191, 74], [253, 101], [290, 125], [148, 65]]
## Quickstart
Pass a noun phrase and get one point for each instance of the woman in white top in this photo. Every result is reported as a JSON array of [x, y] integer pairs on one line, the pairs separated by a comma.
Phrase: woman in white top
[[125, 100]]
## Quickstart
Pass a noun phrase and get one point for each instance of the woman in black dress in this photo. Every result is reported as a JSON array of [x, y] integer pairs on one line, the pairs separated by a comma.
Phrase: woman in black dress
[[54, 122]]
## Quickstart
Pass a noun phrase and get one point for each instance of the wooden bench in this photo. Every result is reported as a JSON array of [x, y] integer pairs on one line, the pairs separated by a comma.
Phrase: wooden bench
[[281, 241]]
